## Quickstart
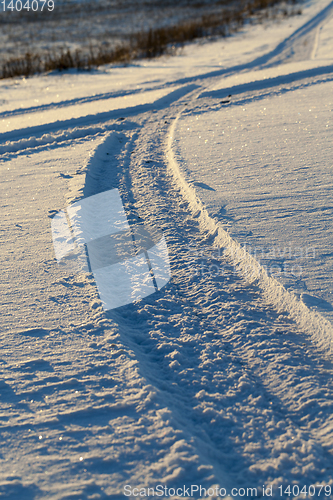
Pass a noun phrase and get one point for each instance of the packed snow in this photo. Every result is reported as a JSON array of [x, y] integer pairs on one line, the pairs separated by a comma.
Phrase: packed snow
[[186, 350]]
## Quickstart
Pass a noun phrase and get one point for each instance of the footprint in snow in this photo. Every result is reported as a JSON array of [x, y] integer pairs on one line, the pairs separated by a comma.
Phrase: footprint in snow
[[203, 186], [65, 176], [311, 300], [35, 332]]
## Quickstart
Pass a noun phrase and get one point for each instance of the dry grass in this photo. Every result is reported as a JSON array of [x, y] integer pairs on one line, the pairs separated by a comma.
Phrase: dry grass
[[149, 44]]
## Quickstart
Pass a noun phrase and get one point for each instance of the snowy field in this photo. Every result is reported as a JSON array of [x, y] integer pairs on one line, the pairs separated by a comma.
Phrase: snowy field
[[80, 24], [166, 236]]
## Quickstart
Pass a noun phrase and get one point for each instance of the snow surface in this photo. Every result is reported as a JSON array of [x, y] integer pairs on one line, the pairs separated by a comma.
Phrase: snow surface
[[224, 376]]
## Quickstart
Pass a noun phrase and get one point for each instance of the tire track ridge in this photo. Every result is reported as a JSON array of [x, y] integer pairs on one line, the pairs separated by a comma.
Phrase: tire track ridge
[[233, 338], [312, 323]]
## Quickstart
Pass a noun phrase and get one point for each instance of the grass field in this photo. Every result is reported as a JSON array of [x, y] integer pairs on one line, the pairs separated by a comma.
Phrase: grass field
[[82, 34]]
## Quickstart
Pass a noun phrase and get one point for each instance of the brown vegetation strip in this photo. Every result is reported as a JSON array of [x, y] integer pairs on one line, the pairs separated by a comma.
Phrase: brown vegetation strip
[[149, 44]]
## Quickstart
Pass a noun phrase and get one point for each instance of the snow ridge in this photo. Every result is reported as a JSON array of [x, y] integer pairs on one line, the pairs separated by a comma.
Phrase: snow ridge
[[314, 324]]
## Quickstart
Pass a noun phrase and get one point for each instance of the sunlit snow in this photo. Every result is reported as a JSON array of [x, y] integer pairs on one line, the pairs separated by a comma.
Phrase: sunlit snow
[[219, 378]]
